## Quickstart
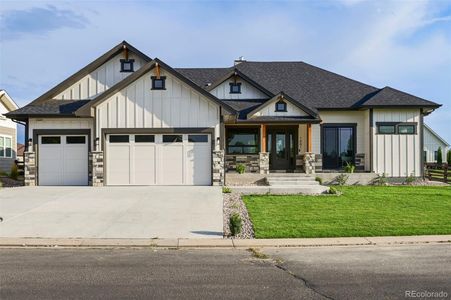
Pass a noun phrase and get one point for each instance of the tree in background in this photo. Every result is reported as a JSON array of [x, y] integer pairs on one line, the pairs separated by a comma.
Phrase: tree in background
[[448, 157], [439, 156]]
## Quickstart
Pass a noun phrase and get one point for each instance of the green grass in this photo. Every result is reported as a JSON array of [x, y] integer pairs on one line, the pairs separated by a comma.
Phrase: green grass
[[360, 211]]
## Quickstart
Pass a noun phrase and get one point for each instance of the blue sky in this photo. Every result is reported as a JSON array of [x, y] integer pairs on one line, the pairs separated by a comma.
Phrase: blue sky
[[403, 44]]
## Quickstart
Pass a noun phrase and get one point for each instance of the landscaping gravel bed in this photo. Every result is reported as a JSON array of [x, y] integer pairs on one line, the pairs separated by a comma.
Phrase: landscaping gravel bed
[[8, 182], [233, 203]]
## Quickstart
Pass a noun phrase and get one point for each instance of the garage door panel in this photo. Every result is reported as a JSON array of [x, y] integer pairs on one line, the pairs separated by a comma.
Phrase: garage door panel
[[145, 164], [171, 165], [118, 171], [198, 165]]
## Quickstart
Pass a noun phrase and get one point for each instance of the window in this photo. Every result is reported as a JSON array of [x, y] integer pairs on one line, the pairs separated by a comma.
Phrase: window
[[75, 140], [396, 128], [127, 65], [386, 129], [119, 138], [281, 106], [406, 129], [198, 138], [172, 138], [158, 83], [243, 141], [435, 155], [47, 140], [5, 146], [144, 138], [235, 88]]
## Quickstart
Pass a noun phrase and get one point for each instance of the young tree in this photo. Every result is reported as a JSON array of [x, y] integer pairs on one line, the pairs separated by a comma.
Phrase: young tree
[[439, 156], [448, 157]]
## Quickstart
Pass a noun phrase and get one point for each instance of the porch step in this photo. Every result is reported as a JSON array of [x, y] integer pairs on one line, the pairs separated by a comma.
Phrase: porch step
[[296, 175], [291, 181], [281, 190]]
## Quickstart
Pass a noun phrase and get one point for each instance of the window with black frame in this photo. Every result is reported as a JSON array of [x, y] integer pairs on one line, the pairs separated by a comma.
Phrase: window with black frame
[[243, 141]]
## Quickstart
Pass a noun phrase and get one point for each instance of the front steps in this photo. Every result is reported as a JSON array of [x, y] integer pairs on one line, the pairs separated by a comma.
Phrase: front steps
[[295, 183]]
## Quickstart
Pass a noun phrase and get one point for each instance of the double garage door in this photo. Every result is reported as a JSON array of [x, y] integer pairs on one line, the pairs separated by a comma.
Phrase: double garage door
[[63, 160], [158, 159]]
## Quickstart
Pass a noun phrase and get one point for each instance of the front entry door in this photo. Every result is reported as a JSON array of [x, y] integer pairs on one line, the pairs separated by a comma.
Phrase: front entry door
[[338, 146], [281, 146]]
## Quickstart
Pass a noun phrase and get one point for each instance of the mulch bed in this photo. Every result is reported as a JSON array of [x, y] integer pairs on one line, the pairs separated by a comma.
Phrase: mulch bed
[[8, 182]]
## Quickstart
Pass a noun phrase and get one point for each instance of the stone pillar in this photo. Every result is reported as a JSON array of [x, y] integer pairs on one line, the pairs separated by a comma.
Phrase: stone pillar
[[309, 163], [264, 162], [95, 165], [218, 167], [30, 168], [360, 162]]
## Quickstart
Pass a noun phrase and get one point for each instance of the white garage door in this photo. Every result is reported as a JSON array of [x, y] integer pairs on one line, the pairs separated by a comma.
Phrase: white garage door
[[63, 160], [158, 159]]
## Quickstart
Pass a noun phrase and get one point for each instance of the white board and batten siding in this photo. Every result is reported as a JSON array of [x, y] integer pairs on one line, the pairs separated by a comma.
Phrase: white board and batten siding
[[138, 106], [270, 111], [360, 118], [397, 155], [248, 91], [101, 79]]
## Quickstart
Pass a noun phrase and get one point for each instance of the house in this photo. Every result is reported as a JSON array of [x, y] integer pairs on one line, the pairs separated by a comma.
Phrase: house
[[127, 119], [432, 141], [8, 133]]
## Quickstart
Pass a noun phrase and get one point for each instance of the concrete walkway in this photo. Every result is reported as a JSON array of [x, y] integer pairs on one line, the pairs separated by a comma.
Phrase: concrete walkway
[[111, 212], [224, 243]]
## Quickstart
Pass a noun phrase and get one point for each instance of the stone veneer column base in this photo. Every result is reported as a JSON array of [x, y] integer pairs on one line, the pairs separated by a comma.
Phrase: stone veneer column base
[[96, 170], [264, 162], [218, 167], [29, 168], [309, 163]]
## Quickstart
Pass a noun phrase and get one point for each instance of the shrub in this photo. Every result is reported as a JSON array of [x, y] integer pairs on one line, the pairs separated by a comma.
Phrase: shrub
[[448, 157], [333, 191], [226, 190], [410, 179], [341, 179], [235, 224], [349, 168], [381, 179], [319, 179], [14, 172], [240, 168], [439, 156]]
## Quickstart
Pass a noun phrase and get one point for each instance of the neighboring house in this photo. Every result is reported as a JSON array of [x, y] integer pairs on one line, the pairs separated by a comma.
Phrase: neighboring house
[[8, 133], [20, 152], [127, 119], [432, 141]]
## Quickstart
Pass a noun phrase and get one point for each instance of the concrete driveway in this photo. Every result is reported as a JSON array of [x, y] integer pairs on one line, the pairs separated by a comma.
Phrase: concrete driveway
[[111, 212]]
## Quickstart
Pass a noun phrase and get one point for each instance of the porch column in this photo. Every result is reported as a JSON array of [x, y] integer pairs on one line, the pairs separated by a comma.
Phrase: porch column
[[264, 155], [309, 138], [309, 157]]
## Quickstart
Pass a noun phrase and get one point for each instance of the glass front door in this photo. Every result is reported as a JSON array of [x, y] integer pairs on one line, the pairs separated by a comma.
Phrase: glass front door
[[281, 148], [338, 146]]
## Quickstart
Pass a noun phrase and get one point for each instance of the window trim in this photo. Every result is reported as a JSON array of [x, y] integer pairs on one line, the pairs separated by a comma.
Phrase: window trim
[[396, 125], [172, 142], [243, 130], [162, 78], [51, 136], [232, 84], [131, 62], [114, 142], [284, 106], [4, 146]]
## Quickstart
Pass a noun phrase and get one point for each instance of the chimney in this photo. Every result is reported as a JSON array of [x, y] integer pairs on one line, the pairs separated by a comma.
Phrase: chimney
[[239, 60]]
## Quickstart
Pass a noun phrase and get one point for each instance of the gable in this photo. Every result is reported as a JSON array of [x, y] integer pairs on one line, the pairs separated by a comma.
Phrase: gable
[[100, 79], [248, 91], [269, 110], [138, 106]]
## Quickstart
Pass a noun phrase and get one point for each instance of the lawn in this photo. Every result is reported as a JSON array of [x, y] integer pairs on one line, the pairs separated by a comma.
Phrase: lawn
[[360, 211]]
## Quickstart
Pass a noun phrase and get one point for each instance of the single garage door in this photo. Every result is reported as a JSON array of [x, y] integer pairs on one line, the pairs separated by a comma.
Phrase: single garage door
[[63, 160], [158, 159]]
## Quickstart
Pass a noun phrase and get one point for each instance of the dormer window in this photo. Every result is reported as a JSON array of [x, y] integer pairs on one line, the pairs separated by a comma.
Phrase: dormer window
[[127, 65], [158, 83], [235, 88], [281, 106]]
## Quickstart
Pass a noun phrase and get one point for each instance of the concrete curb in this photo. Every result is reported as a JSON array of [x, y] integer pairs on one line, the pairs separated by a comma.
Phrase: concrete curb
[[219, 243]]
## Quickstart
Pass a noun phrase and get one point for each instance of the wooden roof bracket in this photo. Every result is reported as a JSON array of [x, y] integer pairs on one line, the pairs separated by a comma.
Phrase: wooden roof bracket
[[157, 70], [125, 52]]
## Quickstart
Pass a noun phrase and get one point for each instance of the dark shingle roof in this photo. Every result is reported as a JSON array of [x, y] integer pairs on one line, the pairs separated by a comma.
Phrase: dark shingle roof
[[49, 107], [203, 76], [243, 107], [391, 96]]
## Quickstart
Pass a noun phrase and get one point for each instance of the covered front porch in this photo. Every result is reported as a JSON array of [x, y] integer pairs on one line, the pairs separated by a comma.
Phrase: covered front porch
[[271, 147]]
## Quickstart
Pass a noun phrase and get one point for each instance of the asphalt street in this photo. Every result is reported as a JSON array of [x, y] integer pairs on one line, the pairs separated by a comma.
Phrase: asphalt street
[[366, 272]]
